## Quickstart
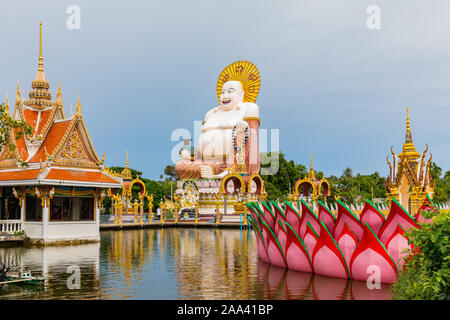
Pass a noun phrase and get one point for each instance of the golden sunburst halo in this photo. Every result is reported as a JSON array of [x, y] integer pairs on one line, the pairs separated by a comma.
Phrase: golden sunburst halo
[[246, 73]]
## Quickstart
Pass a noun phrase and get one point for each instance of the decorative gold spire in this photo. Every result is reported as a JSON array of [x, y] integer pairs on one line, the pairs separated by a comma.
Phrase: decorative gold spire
[[7, 104], [71, 111], [59, 95], [126, 173], [409, 150], [41, 58], [79, 106], [18, 100], [408, 137], [40, 96], [311, 173]]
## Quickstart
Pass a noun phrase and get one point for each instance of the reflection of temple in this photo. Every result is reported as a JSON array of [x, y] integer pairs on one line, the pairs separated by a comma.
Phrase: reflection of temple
[[51, 184], [211, 259], [58, 264], [409, 177]]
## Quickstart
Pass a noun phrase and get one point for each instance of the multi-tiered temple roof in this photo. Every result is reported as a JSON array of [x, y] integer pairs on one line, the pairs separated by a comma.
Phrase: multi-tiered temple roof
[[409, 176], [59, 150]]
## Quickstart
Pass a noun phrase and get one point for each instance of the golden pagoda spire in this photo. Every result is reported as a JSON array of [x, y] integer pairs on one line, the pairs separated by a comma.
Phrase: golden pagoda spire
[[409, 150], [311, 173], [41, 58], [40, 96], [408, 137], [126, 173], [7, 104], [79, 105], [59, 95], [18, 100]]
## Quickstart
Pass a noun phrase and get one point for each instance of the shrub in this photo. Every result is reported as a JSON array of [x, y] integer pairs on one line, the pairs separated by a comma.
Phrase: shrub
[[426, 275]]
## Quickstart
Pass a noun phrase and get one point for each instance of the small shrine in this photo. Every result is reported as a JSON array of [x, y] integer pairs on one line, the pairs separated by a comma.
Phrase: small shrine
[[409, 179], [222, 171], [124, 209], [53, 183], [310, 186]]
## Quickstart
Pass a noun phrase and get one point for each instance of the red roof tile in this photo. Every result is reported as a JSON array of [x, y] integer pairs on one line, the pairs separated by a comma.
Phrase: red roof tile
[[19, 175], [51, 141], [45, 115], [31, 117], [79, 175], [21, 146]]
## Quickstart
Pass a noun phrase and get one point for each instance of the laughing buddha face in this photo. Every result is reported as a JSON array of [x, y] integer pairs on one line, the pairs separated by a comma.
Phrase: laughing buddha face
[[232, 94]]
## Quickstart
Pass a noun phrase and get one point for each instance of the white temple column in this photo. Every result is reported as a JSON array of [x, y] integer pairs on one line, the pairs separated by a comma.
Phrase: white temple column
[[97, 216], [22, 213]]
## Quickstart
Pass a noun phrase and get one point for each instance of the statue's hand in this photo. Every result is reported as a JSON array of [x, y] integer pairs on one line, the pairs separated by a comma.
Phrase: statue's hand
[[206, 172], [241, 126], [185, 155]]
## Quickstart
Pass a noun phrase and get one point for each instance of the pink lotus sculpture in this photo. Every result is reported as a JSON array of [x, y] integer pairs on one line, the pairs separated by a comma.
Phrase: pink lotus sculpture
[[346, 246]]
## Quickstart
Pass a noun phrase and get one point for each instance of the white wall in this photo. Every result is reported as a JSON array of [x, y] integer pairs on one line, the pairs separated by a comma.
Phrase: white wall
[[33, 230], [73, 230]]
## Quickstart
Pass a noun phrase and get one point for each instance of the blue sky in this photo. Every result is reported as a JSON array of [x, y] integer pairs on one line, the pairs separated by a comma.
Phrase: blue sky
[[329, 84]]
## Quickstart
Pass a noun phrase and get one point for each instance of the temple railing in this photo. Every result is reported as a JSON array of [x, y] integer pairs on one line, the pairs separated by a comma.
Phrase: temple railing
[[10, 226]]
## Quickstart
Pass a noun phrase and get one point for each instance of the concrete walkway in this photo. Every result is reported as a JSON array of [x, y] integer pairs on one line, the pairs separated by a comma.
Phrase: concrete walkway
[[169, 224]]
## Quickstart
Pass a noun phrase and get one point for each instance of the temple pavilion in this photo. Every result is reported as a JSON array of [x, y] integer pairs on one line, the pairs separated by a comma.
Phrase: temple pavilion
[[310, 185], [409, 177], [53, 183]]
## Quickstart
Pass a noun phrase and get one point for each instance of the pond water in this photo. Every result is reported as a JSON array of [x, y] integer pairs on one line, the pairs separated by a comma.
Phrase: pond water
[[172, 263]]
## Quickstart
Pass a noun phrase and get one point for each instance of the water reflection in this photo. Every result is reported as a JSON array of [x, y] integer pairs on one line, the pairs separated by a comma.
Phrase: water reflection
[[54, 262], [173, 264]]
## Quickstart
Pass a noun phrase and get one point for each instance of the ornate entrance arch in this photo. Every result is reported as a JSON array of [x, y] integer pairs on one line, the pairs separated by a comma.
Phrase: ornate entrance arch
[[238, 182]]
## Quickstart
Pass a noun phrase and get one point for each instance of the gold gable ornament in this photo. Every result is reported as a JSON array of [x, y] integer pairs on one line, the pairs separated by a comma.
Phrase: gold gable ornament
[[74, 148]]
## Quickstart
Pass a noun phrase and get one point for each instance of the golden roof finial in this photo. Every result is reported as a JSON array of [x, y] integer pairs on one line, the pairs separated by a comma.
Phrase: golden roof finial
[[59, 95], [41, 58], [18, 100], [409, 149], [40, 96], [311, 174], [126, 173], [79, 105], [408, 126], [71, 111], [7, 104]]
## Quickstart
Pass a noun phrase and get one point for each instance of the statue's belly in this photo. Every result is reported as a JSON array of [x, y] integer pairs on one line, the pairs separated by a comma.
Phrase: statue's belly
[[215, 143]]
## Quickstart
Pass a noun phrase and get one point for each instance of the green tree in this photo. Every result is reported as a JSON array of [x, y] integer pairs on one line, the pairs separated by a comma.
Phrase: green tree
[[426, 275], [441, 185], [170, 172], [277, 185], [7, 123]]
